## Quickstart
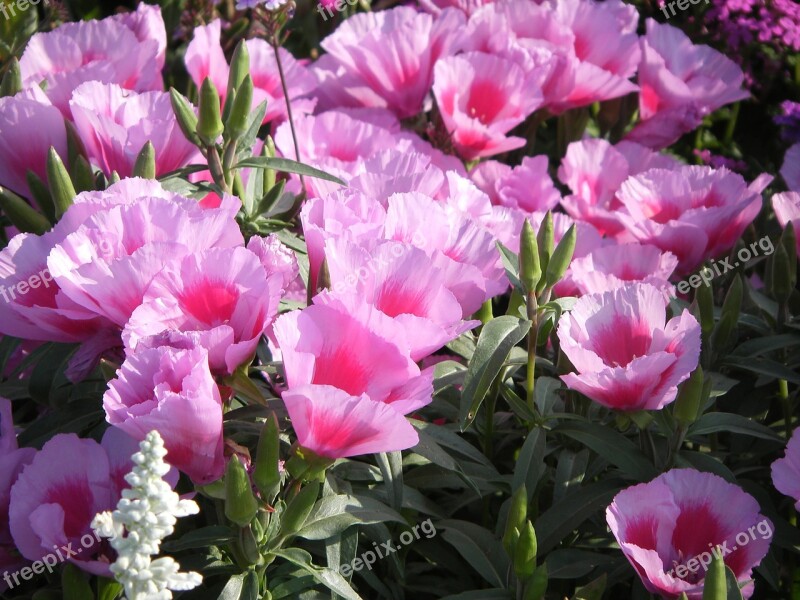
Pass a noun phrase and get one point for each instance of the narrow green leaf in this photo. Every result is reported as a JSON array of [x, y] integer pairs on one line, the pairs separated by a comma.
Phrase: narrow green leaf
[[497, 338], [287, 166]]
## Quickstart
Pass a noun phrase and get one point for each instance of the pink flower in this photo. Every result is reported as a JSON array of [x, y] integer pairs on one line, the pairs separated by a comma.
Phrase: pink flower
[[594, 170], [464, 251], [106, 265], [276, 258], [611, 267], [627, 356], [41, 126], [58, 494], [527, 187], [790, 171], [787, 208], [172, 391], [355, 348], [335, 424], [223, 295], [403, 283], [347, 214], [667, 527], [12, 460], [205, 58], [466, 6], [786, 470], [385, 58], [477, 108], [694, 212], [115, 124], [126, 51], [146, 23], [391, 171], [675, 73], [606, 46]]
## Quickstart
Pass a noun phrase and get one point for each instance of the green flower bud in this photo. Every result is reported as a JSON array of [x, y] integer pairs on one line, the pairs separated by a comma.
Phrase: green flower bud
[[714, 585], [537, 584], [562, 256], [209, 124], [266, 474], [82, 175], [517, 516], [530, 268], [241, 505], [240, 67], [545, 239], [731, 307], [185, 115], [21, 214], [525, 552], [41, 193], [145, 166], [12, 80], [705, 305], [690, 398], [61, 187], [240, 110]]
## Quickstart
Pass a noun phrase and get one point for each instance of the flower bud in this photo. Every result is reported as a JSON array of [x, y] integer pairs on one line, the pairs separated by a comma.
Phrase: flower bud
[[209, 124], [12, 80], [145, 166], [545, 239], [240, 109], [240, 503], [21, 214], [562, 256], [537, 584], [517, 516], [61, 187], [240, 67], [296, 513], [266, 474], [690, 398], [185, 115], [714, 586], [525, 552], [530, 268]]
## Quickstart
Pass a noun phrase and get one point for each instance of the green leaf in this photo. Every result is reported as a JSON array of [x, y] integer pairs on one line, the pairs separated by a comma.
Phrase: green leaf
[[569, 472], [75, 584], [492, 594], [558, 521], [510, 263], [611, 445], [332, 515], [763, 366], [530, 464], [287, 166], [716, 421], [391, 465], [479, 547], [233, 589], [593, 590], [330, 579], [75, 417], [108, 589], [214, 535], [497, 338]]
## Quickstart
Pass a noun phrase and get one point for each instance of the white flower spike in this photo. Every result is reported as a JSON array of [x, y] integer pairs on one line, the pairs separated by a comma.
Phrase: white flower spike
[[145, 515]]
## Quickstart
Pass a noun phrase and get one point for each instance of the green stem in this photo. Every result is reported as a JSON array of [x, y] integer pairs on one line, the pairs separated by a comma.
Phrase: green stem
[[732, 124], [533, 334], [285, 89]]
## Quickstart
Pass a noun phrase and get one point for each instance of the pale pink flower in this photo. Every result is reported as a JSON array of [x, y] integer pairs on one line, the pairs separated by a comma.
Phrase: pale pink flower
[[115, 124], [172, 391], [786, 470], [787, 209], [527, 186], [790, 171], [464, 251], [676, 73], [402, 282], [223, 294], [466, 6], [626, 355], [40, 126], [334, 424], [610, 267], [386, 58], [594, 170], [114, 50], [694, 212], [57, 495], [477, 108], [664, 525]]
